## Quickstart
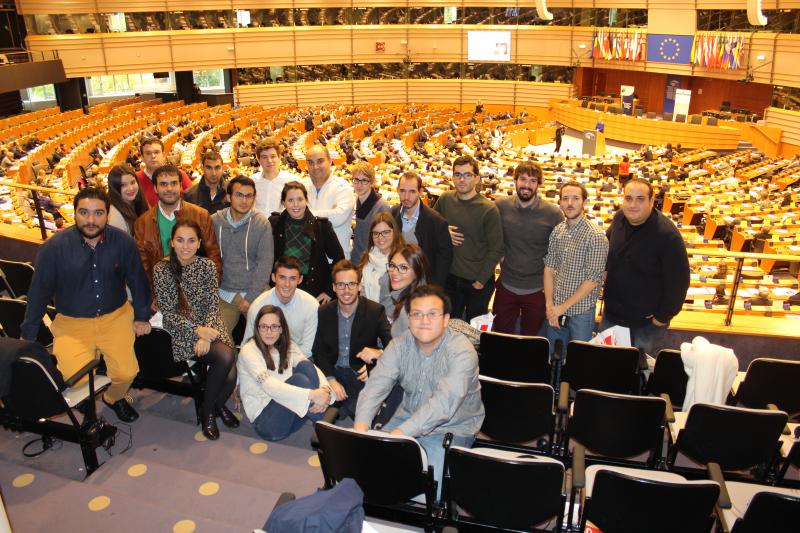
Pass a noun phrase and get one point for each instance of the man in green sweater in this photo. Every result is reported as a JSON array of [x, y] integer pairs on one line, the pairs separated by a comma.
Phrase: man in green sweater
[[477, 234]]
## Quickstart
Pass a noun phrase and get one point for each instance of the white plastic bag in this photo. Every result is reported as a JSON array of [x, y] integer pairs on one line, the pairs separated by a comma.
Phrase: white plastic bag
[[482, 322], [613, 336]]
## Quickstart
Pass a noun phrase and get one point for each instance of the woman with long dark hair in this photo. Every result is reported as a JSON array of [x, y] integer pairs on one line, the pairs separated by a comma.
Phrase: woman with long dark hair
[[127, 200], [186, 291], [384, 236], [279, 386], [408, 269]]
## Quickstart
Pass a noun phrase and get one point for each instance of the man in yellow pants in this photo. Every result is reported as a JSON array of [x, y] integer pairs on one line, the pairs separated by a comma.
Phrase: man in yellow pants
[[86, 269]]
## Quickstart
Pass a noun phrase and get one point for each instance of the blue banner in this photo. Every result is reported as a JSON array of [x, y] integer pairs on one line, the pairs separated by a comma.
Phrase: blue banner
[[626, 93], [669, 48]]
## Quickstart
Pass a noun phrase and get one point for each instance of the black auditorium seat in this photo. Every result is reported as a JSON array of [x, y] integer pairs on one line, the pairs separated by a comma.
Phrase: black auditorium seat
[[605, 368], [16, 277], [515, 357], [770, 381], [668, 377]]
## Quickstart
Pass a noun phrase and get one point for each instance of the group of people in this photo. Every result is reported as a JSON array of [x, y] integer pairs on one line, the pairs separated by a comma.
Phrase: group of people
[[346, 300]]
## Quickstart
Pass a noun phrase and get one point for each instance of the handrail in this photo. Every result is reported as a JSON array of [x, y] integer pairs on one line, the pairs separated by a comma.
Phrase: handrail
[[741, 255], [37, 188]]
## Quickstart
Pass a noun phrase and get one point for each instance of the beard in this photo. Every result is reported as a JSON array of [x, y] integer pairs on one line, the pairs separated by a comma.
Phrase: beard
[[90, 233], [525, 194]]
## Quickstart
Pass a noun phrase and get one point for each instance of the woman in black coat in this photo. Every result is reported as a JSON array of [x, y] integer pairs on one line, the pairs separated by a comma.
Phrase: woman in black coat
[[298, 233]]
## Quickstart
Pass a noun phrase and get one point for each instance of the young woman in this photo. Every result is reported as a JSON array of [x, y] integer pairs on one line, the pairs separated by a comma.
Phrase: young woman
[[186, 291], [368, 205], [384, 237], [279, 386], [408, 269], [127, 200], [311, 240]]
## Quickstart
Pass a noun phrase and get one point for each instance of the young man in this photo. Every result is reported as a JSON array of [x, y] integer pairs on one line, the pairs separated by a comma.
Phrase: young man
[[477, 235], [209, 193], [648, 270], [153, 229], [368, 205], [528, 219], [329, 196], [423, 226], [348, 331], [573, 272], [438, 370], [270, 179], [152, 151], [86, 269], [299, 307], [245, 243]]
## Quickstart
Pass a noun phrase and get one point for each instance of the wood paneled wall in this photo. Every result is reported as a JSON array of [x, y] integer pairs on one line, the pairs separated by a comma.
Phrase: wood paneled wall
[[789, 122]]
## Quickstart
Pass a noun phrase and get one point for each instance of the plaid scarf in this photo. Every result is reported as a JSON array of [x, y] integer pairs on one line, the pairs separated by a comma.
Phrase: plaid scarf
[[298, 244]]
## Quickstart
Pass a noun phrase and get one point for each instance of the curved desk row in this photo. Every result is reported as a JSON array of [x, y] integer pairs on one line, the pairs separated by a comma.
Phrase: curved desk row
[[637, 130]]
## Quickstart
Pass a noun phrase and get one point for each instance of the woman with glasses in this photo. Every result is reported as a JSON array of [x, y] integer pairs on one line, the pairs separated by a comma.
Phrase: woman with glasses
[[408, 269], [280, 388], [368, 205], [311, 240], [185, 285], [384, 237]]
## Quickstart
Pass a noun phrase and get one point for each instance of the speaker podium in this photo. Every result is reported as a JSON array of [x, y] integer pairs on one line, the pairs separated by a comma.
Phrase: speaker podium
[[594, 143]]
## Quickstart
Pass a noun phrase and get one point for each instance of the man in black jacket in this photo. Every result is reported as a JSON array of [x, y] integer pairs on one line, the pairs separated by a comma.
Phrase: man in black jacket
[[209, 193], [348, 330], [423, 226], [647, 270]]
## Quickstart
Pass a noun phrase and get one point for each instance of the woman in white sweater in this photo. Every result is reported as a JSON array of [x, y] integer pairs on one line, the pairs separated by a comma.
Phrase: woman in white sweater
[[280, 388]]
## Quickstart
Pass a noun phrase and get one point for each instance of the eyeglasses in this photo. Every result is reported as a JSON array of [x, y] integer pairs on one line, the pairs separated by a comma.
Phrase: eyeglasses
[[417, 316], [362, 181], [463, 175], [385, 233], [274, 328], [244, 196], [403, 268], [342, 285]]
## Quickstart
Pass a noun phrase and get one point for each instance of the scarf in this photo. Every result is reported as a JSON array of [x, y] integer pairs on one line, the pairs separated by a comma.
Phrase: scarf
[[372, 273], [362, 210]]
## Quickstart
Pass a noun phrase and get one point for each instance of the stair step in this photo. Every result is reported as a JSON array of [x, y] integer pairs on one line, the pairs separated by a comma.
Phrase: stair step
[[51, 502]]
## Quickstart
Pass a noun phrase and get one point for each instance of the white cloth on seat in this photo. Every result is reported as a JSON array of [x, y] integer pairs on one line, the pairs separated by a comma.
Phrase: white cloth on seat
[[711, 370]]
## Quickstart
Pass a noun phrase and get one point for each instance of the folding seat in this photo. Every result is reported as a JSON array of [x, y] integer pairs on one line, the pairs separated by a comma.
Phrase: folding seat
[[668, 377], [38, 398], [696, 119], [390, 469], [651, 114], [599, 367], [736, 438], [770, 381], [503, 489], [680, 118], [667, 117], [515, 358], [711, 121], [517, 413], [638, 112], [629, 500], [16, 277]]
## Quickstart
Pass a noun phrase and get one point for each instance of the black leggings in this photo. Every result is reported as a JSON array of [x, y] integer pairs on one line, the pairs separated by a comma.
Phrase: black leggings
[[221, 378]]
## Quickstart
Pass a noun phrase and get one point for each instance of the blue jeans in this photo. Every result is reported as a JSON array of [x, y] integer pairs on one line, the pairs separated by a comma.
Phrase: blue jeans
[[348, 379], [580, 328], [276, 422], [648, 339], [432, 444]]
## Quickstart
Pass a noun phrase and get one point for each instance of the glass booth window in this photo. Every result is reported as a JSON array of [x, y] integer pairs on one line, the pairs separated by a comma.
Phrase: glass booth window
[[125, 84]]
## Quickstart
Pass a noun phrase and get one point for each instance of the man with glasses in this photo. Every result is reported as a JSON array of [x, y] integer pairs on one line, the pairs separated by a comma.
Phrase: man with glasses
[[299, 307], [438, 371], [476, 232], [245, 242], [348, 331], [368, 205], [528, 219]]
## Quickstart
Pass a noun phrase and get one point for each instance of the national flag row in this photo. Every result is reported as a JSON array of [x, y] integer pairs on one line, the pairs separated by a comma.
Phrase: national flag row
[[625, 45], [718, 50]]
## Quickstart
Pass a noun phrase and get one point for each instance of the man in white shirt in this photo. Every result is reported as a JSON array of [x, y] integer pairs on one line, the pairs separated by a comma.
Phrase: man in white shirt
[[270, 179], [299, 307], [330, 196]]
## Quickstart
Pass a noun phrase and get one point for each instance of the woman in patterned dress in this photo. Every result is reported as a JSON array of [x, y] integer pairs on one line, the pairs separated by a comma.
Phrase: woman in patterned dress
[[186, 290]]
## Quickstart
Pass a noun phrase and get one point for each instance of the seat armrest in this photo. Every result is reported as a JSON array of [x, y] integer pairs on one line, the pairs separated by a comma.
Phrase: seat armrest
[[579, 466], [77, 376], [669, 414], [715, 473], [563, 397], [773, 407]]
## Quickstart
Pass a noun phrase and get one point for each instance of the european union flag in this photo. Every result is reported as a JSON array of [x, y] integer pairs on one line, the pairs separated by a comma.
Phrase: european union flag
[[663, 48]]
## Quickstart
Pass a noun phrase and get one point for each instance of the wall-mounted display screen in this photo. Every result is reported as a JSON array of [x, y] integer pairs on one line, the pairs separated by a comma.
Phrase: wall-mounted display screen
[[489, 46]]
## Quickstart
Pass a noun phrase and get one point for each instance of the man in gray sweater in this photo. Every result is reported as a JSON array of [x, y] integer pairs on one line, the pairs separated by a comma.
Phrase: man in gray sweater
[[528, 219], [245, 241]]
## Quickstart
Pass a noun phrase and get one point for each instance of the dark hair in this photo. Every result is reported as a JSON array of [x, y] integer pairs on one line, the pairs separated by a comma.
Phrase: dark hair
[[429, 290], [210, 155], [282, 344], [397, 235], [641, 181], [93, 193], [411, 176], [130, 212], [531, 169], [169, 169], [422, 272], [244, 181], [288, 262], [343, 265], [467, 160], [175, 267], [293, 185], [150, 140], [573, 183], [267, 144]]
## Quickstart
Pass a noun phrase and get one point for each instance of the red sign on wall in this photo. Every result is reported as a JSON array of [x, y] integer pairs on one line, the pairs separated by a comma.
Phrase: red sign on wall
[[380, 46]]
